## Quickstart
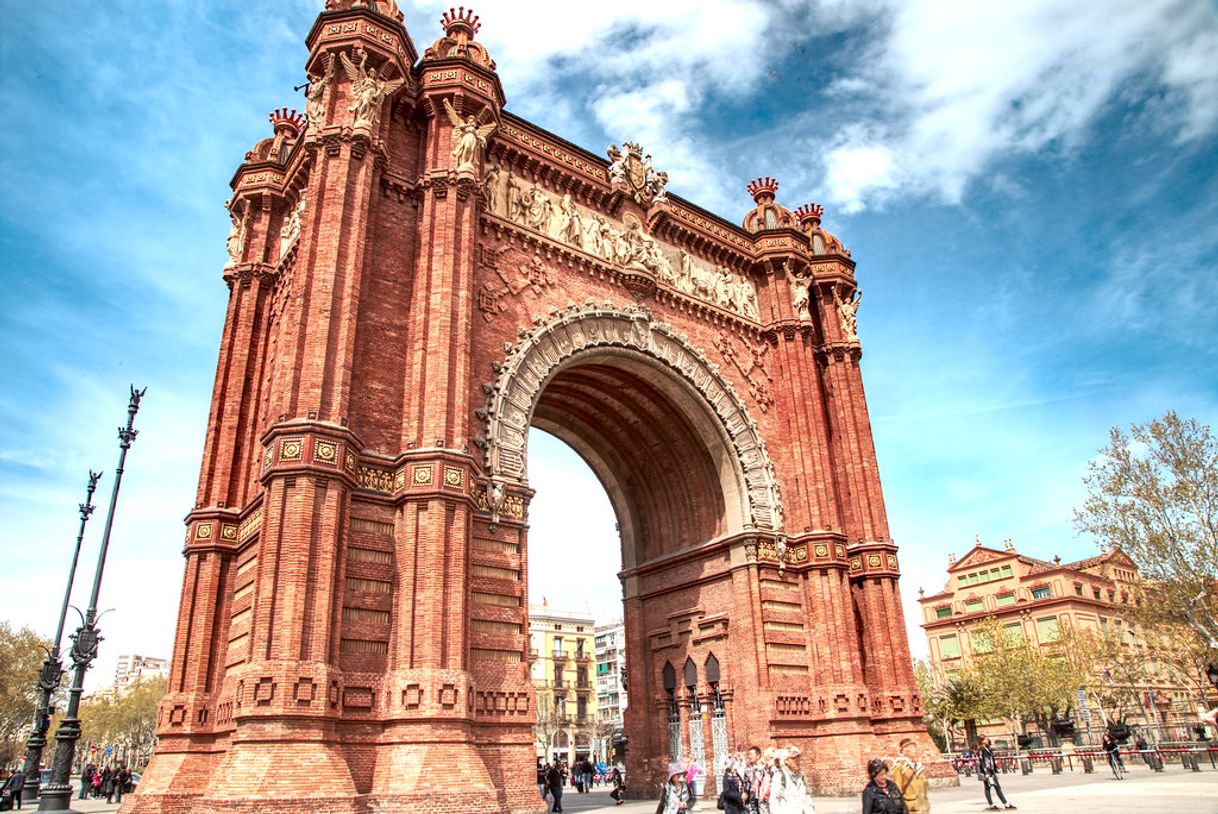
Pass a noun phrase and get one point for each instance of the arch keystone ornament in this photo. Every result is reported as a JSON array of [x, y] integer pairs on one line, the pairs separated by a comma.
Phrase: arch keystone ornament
[[355, 602]]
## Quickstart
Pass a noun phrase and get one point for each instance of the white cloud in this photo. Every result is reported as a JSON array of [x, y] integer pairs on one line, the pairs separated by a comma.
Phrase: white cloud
[[966, 84]]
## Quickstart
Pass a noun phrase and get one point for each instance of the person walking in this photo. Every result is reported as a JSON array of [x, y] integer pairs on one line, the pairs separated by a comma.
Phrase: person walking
[[881, 795], [674, 797], [554, 781], [789, 790], [107, 784], [909, 775], [751, 775], [619, 785], [987, 772], [541, 778], [693, 781], [14, 786], [120, 783], [734, 791], [86, 781]]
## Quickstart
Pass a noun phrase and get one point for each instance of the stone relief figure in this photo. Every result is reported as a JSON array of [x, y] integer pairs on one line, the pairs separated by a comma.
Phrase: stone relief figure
[[799, 282], [493, 184], [235, 241], [725, 292], [291, 227], [315, 105], [847, 312], [516, 199], [468, 137], [592, 235], [571, 227], [537, 209], [368, 90], [747, 296]]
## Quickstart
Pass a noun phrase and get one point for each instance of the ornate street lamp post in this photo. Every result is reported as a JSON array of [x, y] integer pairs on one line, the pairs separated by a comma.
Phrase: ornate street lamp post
[[52, 669], [57, 795]]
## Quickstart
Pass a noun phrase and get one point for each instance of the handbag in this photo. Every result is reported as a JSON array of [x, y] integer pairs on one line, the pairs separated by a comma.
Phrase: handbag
[[719, 805]]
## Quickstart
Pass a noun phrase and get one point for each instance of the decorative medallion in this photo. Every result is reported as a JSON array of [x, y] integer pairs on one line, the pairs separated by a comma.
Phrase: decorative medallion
[[325, 452], [822, 551], [290, 449], [453, 477], [203, 531], [351, 461], [892, 562], [268, 457], [839, 550], [228, 531], [422, 475], [856, 564], [874, 561]]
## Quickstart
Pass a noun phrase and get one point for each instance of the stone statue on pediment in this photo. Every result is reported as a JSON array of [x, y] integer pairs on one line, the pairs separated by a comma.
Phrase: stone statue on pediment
[[290, 231], [799, 281], [315, 103], [847, 312], [468, 138], [235, 241], [368, 90]]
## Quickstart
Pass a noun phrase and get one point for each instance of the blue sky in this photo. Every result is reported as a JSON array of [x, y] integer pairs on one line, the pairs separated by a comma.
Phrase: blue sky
[[1030, 190]]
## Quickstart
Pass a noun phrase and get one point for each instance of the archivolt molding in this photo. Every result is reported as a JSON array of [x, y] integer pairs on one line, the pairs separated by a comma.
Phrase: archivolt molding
[[537, 357]]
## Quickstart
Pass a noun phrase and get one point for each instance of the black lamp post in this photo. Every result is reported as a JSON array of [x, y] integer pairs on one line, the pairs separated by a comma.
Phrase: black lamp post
[[52, 669], [57, 796]]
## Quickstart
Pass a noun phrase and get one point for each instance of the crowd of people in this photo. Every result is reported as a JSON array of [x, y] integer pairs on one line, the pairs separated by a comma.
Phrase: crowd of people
[[109, 782], [583, 776]]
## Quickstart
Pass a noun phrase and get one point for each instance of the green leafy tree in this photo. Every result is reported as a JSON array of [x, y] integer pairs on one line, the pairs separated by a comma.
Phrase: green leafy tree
[[1018, 680], [954, 703], [21, 655], [126, 724], [1153, 493]]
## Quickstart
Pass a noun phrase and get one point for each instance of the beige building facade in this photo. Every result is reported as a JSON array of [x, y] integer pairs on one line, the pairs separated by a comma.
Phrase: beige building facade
[[562, 654], [1037, 599]]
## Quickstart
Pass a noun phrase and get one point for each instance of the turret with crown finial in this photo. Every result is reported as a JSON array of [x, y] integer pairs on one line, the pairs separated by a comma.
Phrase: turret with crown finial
[[767, 214], [460, 25], [819, 240]]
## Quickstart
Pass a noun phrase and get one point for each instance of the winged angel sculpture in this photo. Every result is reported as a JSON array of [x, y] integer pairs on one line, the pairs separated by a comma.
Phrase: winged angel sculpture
[[368, 89], [467, 138]]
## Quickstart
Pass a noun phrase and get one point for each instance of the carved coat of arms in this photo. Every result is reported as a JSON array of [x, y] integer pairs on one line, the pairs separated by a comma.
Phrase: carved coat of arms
[[632, 169]]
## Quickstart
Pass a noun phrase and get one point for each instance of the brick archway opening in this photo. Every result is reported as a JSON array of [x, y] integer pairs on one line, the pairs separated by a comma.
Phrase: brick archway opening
[[654, 448]]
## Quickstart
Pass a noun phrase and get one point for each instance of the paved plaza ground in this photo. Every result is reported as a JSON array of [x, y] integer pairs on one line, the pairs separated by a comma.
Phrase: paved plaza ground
[[1040, 793]]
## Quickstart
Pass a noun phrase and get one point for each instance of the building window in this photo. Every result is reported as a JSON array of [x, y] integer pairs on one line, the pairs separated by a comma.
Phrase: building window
[[1047, 628], [579, 648], [949, 646], [974, 606], [581, 676], [1002, 600], [1006, 570], [581, 707], [1015, 631], [943, 612], [1043, 592], [1078, 588], [557, 675], [558, 651], [1096, 593], [1103, 623], [982, 643]]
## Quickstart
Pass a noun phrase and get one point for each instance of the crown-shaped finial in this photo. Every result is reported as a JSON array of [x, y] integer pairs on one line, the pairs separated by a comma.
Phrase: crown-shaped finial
[[285, 119], [763, 188], [809, 214], [459, 20]]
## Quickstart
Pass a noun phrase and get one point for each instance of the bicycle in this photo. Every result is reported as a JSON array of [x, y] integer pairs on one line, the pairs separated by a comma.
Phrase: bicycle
[[1118, 768]]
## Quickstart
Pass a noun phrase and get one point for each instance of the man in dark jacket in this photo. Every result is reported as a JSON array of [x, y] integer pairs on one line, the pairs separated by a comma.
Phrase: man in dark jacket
[[14, 786], [554, 784], [987, 770]]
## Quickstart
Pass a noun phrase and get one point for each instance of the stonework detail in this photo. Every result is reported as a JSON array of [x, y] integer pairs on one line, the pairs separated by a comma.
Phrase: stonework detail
[[751, 365], [625, 245], [368, 88], [532, 361], [629, 168]]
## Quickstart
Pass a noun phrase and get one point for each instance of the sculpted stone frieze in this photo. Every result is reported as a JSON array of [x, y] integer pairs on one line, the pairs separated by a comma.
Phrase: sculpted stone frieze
[[529, 364], [626, 245]]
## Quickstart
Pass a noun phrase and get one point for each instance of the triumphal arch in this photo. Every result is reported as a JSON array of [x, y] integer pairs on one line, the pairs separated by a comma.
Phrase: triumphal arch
[[416, 277]]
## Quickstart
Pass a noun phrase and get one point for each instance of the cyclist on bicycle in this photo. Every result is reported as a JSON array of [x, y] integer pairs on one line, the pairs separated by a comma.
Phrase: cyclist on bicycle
[[1114, 750]]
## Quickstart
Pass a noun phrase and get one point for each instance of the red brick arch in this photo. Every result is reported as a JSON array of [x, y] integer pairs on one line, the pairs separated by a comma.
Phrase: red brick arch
[[353, 633]]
